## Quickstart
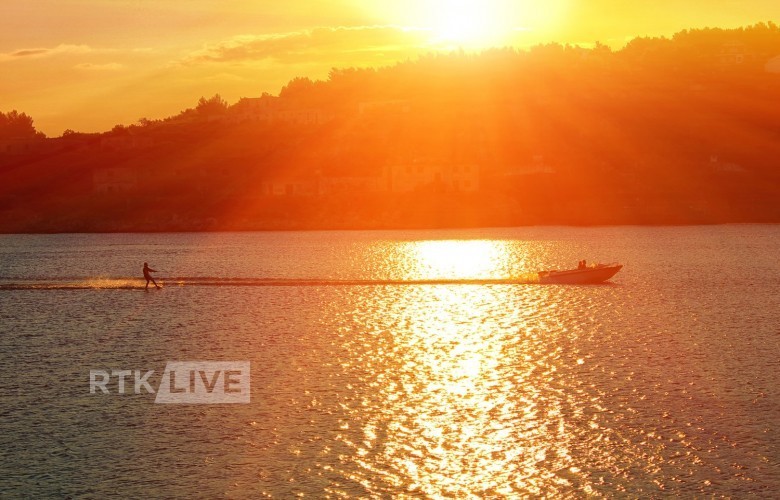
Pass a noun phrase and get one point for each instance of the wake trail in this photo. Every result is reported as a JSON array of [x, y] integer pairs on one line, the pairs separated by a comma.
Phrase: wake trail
[[135, 284]]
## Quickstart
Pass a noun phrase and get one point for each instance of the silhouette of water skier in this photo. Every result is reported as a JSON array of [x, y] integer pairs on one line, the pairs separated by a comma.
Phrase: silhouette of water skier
[[147, 274]]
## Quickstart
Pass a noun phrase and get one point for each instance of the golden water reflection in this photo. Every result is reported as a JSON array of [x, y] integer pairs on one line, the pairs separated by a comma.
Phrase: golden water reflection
[[635, 389], [455, 259], [468, 397]]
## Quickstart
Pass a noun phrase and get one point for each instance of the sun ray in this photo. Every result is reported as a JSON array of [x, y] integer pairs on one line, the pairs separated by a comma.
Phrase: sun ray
[[472, 24]]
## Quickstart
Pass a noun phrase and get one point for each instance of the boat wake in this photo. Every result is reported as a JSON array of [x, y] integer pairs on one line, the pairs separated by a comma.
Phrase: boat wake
[[139, 284], [583, 276]]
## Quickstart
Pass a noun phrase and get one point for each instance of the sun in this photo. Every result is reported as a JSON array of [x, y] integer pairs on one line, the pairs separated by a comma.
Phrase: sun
[[468, 23]]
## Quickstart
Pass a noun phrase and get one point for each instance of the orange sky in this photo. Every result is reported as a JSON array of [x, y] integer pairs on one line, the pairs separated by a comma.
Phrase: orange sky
[[90, 64]]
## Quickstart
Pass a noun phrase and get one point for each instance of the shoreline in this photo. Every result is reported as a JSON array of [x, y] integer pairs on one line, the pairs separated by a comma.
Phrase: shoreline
[[381, 229]]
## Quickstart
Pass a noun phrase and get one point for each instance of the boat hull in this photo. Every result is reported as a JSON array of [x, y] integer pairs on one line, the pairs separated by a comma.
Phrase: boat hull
[[587, 276]]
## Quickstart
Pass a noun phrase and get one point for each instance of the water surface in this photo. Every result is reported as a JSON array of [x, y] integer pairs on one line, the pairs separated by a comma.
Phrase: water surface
[[662, 382]]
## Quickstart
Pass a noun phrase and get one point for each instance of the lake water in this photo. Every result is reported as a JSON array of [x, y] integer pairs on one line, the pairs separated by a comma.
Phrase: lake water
[[664, 382]]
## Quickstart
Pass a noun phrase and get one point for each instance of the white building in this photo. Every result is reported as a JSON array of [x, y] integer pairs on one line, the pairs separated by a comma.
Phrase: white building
[[463, 178], [772, 65], [255, 109]]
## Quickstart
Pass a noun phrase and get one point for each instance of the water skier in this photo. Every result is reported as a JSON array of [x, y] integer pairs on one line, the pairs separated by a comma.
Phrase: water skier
[[147, 274]]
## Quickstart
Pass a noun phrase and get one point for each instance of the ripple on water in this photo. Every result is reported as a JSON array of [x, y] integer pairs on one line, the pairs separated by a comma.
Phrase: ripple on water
[[664, 383]]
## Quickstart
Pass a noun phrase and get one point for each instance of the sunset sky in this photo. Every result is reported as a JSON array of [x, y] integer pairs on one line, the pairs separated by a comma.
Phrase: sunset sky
[[90, 64]]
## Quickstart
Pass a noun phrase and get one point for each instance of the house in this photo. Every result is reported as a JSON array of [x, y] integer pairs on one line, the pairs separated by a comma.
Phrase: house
[[269, 109], [317, 184], [291, 185], [732, 54], [537, 165], [444, 177], [20, 145], [255, 109], [773, 65], [718, 165]]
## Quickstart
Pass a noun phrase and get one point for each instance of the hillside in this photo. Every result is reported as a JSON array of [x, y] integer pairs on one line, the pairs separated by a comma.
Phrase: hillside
[[664, 131]]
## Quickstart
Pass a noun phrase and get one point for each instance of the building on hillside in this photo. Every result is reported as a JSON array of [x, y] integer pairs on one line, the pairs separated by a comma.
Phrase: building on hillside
[[396, 179], [536, 165], [114, 180], [717, 164], [291, 185], [255, 109], [20, 145], [442, 177], [317, 184], [270, 109], [732, 54], [773, 65]]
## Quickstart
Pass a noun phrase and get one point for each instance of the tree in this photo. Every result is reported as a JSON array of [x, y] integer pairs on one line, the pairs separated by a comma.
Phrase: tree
[[305, 93], [16, 125], [215, 105]]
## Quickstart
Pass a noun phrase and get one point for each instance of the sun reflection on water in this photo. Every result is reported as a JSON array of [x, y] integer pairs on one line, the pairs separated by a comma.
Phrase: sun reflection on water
[[449, 436], [434, 390], [456, 259], [465, 407], [469, 387]]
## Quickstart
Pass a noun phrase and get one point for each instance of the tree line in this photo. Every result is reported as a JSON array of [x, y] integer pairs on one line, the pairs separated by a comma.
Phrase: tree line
[[17, 125]]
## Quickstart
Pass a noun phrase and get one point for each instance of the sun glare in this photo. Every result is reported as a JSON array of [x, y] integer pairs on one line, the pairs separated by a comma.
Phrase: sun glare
[[455, 259], [469, 23]]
